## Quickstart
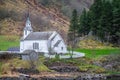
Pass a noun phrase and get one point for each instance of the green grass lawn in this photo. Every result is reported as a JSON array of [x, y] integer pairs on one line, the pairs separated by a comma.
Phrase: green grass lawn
[[96, 53], [8, 41]]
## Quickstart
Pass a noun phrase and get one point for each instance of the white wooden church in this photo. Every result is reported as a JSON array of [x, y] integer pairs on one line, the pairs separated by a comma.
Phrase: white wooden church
[[44, 42]]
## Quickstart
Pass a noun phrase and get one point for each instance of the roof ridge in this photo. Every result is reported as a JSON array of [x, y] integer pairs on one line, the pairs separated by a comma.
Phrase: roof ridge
[[39, 35]]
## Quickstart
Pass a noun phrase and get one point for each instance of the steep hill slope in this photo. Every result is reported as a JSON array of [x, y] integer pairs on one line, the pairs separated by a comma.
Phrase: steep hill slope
[[66, 6], [13, 15]]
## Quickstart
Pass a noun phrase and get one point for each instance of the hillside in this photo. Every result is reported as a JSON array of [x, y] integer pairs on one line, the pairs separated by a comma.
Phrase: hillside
[[91, 42], [66, 6], [13, 15]]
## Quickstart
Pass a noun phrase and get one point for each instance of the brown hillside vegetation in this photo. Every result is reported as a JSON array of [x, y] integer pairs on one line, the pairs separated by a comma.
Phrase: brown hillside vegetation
[[91, 42], [14, 12]]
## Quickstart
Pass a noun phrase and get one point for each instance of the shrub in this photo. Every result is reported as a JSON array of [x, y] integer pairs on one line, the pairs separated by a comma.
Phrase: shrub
[[3, 13], [40, 64], [6, 56], [42, 67], [57, 56]]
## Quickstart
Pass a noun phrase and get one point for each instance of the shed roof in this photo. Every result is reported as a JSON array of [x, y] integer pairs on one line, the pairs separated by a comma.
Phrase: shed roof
[[13, 49], [29, 51], [39, 36]]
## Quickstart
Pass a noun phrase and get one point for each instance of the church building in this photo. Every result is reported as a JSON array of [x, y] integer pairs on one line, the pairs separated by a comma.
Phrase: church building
[[44, 42]]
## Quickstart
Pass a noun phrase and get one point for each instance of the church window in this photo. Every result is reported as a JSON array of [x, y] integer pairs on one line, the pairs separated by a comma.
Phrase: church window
[[35, 45], [61, 48]]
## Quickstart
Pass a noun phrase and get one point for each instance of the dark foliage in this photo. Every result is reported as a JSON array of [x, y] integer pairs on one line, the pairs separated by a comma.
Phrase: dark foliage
[[4, 13], [72, 34], [6, 56], [103, 19]]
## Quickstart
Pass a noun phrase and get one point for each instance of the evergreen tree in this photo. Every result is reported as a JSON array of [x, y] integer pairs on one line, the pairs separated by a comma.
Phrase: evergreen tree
[[73, 25], [105, 22], [74, 21], [84, 26], [95, 12], [116, 22], [73, 29], [103, 19]]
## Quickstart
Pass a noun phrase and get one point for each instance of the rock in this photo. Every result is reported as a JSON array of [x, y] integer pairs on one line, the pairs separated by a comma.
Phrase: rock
[[91, 77], [81, 77], [57, 78], [65, 69], [24, 77], [97, 63], [114, 77], [17, 78], [9, 78], [27, 71], [108, 67]]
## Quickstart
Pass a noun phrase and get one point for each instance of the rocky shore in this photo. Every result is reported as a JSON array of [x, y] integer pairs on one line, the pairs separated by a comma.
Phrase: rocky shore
[[69, 69], [59, 73], [85, 77]]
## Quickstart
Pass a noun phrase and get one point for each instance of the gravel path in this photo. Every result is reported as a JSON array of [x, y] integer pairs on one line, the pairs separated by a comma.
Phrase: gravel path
[[75, 55]]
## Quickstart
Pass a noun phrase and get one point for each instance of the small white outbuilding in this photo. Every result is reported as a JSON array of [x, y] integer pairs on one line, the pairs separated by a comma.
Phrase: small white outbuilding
[[44, 42]]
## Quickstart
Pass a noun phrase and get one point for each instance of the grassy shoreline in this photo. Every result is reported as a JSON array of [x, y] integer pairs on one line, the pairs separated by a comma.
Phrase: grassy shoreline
[[8, 41], [97, 53]]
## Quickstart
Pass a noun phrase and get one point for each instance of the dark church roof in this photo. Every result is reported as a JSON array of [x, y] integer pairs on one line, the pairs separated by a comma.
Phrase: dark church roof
[[14, 49], [38, 36]]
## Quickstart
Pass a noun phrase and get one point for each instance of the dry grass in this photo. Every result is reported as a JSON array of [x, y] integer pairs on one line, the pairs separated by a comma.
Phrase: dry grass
[[14, 63], [42, 68], [40, 65], [90, 43]]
